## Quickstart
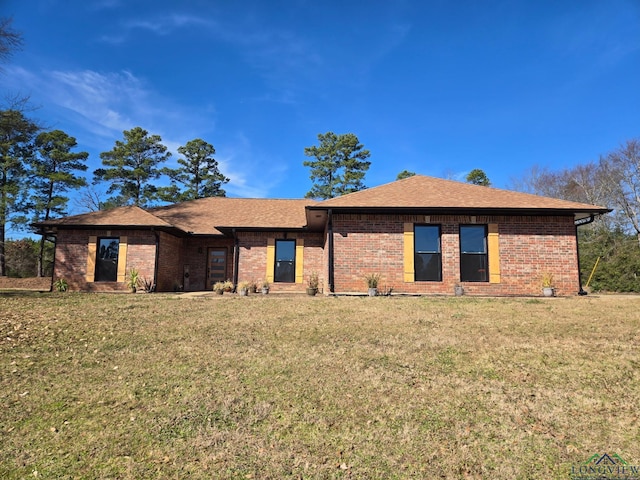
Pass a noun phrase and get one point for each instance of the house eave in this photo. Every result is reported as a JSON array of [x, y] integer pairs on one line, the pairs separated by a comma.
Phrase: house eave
[[494, 211], [54, 229], [228, 231]]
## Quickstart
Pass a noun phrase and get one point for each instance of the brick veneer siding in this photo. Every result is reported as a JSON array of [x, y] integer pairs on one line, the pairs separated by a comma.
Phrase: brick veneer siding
[[170, 263], [72, 250], [529, 246], [195, 260], [253, 257], [178, 255]]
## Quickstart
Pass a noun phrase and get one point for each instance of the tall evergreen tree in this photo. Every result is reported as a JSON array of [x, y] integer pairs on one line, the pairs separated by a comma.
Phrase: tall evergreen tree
[[339, 167], [53, 171], [478, 177], [198, 173], [16, 147], [405, 174], [131, 166]]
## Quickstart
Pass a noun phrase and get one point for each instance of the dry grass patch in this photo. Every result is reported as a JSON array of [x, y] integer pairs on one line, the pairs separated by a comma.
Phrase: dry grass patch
[[147, 386]]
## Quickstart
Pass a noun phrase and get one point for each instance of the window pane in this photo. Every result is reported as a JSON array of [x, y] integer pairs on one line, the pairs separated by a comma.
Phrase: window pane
[[285, 250], [107, 261], [473, 239], [473, 267], [427, 238], [427, 259], [285, 268], [428, 267], [473, 253]]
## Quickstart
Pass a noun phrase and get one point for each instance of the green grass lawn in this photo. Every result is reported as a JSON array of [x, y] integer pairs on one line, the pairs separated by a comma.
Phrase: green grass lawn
[[172, 386]]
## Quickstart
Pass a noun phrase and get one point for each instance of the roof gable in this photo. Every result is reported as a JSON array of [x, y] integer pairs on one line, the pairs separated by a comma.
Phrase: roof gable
[[130, 216]]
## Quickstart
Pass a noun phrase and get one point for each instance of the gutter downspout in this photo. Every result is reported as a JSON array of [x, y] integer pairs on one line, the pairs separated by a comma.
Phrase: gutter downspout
[[236, 259], [156, 261], [581, 292], [330, 239], [53, 267]]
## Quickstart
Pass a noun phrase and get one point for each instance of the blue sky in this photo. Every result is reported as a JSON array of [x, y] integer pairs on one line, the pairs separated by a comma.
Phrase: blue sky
[[435, 87]]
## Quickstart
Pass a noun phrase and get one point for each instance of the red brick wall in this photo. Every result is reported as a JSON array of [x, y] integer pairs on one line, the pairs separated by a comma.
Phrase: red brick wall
[[253, 257], [178, 255], [529, 246], [195, 260], [170, 263], [71, 258], [72, 250]]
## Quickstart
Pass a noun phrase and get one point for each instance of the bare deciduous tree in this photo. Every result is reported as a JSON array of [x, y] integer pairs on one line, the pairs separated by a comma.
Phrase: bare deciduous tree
[[10, 40], [621, 171], [89, 199]]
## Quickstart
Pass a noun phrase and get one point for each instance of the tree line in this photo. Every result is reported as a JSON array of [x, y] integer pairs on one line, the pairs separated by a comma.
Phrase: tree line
[[39, 168], [612, 241]]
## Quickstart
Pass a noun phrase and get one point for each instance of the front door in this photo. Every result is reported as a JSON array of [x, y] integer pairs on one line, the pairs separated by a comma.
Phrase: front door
[[216, 266]]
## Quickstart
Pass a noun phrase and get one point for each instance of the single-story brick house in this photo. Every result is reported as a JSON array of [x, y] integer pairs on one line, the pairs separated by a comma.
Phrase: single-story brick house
[[423, 235]]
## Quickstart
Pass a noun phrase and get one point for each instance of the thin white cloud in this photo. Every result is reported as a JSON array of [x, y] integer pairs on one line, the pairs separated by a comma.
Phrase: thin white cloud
[[168, 23], [286, 60], [253, 174], [102, 105], [160, 25], [104, 99], [110, 102], [598, 32]]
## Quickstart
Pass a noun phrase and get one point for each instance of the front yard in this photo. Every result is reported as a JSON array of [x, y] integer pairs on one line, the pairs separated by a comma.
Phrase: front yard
[[176, 386]]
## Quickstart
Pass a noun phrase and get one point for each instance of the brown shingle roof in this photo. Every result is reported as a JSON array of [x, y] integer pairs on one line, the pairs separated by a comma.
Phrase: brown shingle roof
[[116, 217], [200, 216], [428, 192], [203, 215], [208, 216]]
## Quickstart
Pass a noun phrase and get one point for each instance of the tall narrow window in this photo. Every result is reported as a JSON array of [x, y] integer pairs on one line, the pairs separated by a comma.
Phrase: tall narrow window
[[285, 258], [473, 253], [107, 260], [427, 253]]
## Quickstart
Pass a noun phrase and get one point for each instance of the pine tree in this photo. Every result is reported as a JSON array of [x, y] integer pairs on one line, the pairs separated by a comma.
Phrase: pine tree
[[131, 166], [339, 167]]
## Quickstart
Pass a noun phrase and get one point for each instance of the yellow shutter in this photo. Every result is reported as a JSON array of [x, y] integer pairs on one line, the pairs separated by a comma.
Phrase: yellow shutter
[[91, 259], [122, 260], [409, 266], [494, 253], [271, 258], [299, 260]]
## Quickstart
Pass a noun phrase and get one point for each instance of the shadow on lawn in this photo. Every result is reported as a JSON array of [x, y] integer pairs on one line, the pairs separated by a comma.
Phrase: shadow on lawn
[[23, 293]]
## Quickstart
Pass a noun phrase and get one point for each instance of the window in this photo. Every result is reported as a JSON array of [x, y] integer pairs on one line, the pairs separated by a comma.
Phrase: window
[[473, 253], [427, 253], [107, 260], [285, 261]]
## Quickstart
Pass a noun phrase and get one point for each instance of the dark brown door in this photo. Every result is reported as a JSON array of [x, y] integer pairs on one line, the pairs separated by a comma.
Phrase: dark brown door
[[216, 266]]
